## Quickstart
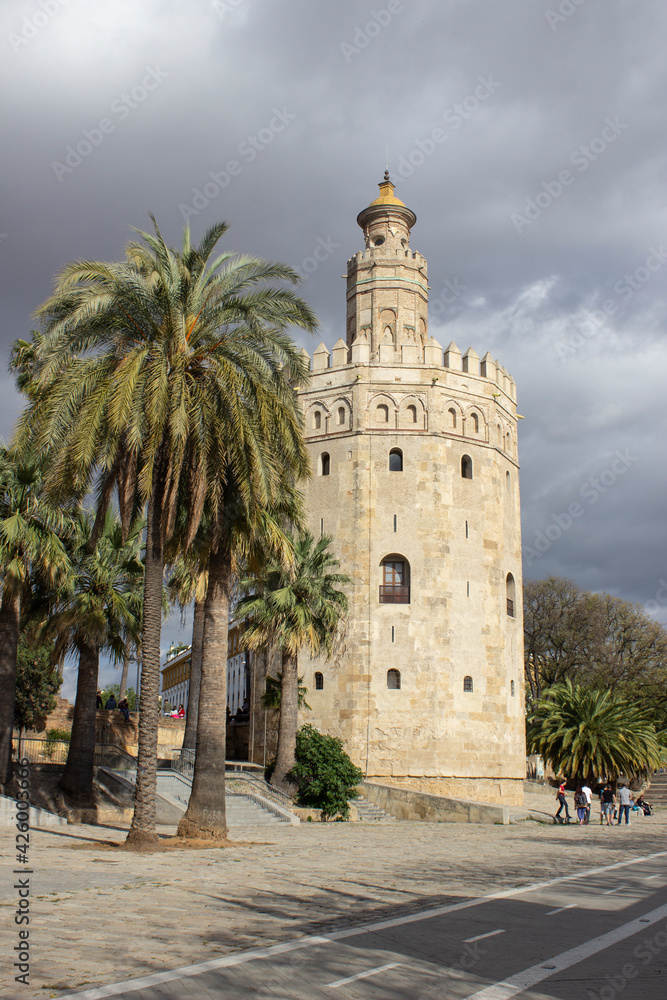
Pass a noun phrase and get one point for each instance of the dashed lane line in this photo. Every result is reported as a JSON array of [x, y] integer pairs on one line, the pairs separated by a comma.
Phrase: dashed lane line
[[310, 941], [561, 909], [525, 980], [480, 937], [363, 975]]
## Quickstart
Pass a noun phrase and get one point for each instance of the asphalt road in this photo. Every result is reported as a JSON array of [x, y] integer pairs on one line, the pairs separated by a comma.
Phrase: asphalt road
[[600, 933]]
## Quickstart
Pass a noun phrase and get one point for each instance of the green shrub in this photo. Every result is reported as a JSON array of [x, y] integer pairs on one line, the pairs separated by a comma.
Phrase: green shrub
[[54, 736], [324, 774]]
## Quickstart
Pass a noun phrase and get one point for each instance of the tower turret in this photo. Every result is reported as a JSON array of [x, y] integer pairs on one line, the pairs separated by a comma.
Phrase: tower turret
[[387, 286]]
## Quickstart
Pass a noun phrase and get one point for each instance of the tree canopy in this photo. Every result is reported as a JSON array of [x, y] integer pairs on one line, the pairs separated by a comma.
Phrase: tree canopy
[[595, 640]]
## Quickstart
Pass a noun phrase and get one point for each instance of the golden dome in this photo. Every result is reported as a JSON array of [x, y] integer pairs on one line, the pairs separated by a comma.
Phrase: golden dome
[[386, 196]]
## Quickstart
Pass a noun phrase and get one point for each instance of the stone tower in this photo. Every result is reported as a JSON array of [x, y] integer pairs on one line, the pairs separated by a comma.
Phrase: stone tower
[[415, 477]]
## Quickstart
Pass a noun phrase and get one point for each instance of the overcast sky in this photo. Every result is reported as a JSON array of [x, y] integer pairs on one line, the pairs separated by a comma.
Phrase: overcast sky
[[527, 136]]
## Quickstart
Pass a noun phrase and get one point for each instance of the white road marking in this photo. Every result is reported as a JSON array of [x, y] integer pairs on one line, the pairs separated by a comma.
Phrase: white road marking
[[240, 958], [647, 877], [617, 888], [561, 909], [480, 937], [363, 975], [525, 980]]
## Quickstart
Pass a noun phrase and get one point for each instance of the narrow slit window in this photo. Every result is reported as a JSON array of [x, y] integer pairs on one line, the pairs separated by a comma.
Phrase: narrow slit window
[[510, 593], [512, 689], [395, 523], [467, 530], [392, 633], [325, 463]]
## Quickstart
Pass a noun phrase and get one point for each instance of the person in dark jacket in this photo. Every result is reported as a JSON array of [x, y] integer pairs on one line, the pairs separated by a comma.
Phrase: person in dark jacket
[[111, 704]]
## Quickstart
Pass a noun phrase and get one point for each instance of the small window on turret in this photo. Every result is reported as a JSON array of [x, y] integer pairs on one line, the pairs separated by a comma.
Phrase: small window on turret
[[378, 241]]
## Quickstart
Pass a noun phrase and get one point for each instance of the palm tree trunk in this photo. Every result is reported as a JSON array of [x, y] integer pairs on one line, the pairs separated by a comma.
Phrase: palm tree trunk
[[142, 831], [205, 816], [287, 726], [190, 734], [77, 781], [9, 645], [123, 678]]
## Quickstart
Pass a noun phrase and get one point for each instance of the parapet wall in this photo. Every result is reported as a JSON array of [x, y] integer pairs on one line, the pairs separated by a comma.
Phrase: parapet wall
[[410, 353]]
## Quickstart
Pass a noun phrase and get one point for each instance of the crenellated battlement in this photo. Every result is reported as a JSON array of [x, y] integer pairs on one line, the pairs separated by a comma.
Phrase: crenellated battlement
[[410, 355], [385, 252]]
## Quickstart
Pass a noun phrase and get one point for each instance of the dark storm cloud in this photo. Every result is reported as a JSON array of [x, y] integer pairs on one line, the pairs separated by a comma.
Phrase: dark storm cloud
[[528, 137]]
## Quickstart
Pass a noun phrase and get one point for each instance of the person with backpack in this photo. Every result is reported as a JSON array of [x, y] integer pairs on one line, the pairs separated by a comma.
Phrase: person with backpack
[[562, 803], [581, 805]]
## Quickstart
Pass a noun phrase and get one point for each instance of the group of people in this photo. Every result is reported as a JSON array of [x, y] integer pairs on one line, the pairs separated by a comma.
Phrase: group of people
[[612, 805], [111, 705]]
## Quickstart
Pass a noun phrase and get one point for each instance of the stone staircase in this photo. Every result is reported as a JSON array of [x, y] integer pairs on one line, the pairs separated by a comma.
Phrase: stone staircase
[[242, 811], [369, 813], [657, 793]]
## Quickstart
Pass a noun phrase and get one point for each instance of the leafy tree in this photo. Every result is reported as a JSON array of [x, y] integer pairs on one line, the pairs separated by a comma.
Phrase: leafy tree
[[293, 607], [592, 733], [37, 682], [30, 547], [596, 640], [114, 689], [324, 774], [157, 376]]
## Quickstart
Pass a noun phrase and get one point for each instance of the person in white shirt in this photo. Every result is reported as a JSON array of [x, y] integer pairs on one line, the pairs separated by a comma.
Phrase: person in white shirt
[[589, 795], [625, 801]]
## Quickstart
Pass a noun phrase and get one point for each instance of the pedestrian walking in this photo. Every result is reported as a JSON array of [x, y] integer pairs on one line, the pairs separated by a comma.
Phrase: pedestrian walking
[[607, 802], [589, 795], [625, 802], [580, 804], [562, 804]]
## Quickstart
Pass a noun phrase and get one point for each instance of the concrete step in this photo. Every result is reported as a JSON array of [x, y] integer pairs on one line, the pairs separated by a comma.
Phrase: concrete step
[[369, 813]]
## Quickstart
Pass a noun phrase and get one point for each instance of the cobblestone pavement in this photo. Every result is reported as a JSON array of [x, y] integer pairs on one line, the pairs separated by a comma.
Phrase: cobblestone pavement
[[100, 915]]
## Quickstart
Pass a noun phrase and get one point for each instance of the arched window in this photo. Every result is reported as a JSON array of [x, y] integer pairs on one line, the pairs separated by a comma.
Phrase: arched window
[[319, 681], [341, 414], [510, 588], [383, 414], [466, 467], [508, 481], [467, 684], [394, 680], [452, 417], [474, 421], [395, 580], [325, 463], [412, 414], [512, 688], [396, 460], [317, 420]]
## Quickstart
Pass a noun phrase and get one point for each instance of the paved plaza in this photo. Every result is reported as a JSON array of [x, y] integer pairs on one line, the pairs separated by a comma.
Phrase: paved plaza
[[101, 916]]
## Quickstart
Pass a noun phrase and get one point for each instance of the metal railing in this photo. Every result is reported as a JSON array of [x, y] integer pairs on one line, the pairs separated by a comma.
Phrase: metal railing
[[39, 750], [393, 594]]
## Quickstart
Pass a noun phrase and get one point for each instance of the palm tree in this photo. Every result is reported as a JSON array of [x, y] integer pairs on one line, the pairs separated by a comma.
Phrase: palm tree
[[187, 585], [592, 733], [294, 607], [156, 376], [99, 611], [30, 545], [240, 533]]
